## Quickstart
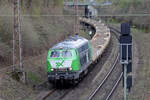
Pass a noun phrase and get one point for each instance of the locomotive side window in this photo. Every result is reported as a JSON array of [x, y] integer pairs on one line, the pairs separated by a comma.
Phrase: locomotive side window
[[66, 54], [83, 54], [83, 60], [55, 54], [83, 48], [86, 46]]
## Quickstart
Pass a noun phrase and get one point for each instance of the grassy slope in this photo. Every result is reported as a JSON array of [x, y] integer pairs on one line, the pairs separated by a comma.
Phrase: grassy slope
[[141, 89]]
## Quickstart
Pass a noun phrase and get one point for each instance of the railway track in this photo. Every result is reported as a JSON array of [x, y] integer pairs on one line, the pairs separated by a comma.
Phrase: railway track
[[111, 91], [115, 86], [101, 86], [98, 47], [46, 97], [56, 94], [45, 94], [104, 80]]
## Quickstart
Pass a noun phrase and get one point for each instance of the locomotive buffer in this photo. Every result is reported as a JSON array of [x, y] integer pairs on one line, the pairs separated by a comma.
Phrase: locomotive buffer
[[126, 56]]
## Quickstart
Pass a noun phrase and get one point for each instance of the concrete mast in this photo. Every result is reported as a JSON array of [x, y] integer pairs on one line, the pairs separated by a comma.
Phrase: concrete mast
[[76, 28]]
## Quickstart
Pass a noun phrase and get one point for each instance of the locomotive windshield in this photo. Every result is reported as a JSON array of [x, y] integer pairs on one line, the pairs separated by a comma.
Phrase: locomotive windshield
[[66, 54], [55, 54]]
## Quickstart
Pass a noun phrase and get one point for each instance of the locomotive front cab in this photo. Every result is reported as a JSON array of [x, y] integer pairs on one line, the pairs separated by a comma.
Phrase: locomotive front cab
[[62, 63]]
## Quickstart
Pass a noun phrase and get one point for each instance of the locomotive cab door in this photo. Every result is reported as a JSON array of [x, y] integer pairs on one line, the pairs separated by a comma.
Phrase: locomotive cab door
[[84, 55]]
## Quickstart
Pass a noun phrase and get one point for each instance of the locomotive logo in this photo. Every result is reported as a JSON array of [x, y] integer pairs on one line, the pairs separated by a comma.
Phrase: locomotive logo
[[60, 63]]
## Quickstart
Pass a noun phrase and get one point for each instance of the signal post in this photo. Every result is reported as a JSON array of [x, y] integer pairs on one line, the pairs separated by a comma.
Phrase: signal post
[[126, 56]]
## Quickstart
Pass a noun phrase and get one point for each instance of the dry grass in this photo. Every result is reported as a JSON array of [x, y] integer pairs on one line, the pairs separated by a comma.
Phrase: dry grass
[[141, 88], [12, 90]]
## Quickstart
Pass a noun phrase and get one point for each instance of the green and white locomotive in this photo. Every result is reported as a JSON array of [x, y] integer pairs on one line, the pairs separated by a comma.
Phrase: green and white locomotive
[[69, 60]]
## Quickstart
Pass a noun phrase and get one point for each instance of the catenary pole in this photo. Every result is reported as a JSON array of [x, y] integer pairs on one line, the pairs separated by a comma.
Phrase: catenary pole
[[20, 37], [15, 34], [76, 30]]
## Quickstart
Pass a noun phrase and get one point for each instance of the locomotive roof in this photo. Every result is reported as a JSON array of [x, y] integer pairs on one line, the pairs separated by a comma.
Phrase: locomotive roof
[[71, 42]]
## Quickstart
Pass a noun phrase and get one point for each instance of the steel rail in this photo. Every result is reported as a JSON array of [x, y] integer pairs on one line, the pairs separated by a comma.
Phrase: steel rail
[[101, 84], [45, 95], [104, 80], [113, 89], [115, 31]]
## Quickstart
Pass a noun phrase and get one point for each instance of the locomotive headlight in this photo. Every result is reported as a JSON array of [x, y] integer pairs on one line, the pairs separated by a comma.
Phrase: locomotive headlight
[[70, 68], [52, 69]]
